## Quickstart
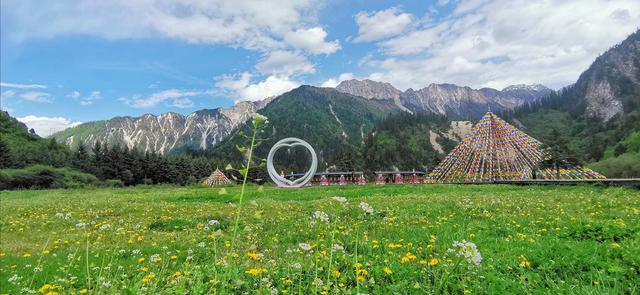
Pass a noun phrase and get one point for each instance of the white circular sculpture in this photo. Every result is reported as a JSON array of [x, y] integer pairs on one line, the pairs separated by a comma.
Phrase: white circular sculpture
[[288, 143]]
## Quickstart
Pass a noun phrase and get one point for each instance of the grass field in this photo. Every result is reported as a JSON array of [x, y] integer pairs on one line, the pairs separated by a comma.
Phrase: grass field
[[375, 240]]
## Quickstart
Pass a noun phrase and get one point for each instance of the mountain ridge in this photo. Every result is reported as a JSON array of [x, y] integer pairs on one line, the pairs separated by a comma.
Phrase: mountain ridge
[[446, 98]]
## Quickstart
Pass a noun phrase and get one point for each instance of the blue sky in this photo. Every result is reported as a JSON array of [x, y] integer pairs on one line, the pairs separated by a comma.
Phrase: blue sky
[[65, 62]]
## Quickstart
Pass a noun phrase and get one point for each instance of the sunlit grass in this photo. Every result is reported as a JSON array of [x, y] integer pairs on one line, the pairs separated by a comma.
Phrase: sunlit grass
[[574, 239]]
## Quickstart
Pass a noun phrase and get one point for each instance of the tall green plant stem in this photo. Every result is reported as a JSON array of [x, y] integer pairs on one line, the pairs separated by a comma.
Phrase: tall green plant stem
[[244, 184]]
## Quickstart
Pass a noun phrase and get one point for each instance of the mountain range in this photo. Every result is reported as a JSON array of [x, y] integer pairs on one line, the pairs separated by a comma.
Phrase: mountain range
[[448, 99], [204, 129]]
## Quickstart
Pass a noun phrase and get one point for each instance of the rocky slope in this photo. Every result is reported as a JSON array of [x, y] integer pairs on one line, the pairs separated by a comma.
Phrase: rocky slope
[[447, 99], [611, 85], [168, 132]]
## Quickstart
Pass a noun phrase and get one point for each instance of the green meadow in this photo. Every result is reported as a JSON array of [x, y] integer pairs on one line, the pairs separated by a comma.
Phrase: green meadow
[[410, 239]]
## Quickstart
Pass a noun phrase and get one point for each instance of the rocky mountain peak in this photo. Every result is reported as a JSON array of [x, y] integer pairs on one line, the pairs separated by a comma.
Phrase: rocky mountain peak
[[369, 89]]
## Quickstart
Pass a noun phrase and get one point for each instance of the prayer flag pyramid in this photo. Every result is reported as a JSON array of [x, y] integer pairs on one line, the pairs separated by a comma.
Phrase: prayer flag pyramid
[[495, 150], [217, 178]]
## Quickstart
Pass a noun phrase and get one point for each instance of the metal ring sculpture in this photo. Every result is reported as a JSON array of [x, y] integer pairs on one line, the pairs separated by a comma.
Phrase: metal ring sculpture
[[288, 143]]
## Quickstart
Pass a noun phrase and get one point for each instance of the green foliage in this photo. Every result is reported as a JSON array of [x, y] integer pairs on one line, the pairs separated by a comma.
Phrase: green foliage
[[623, 166], [44, 177]]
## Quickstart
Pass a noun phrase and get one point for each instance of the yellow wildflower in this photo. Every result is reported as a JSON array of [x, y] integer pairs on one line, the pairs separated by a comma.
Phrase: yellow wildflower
[[255, 271], [253, 255], [174, 257], [141, 260], [434, 262], [524, 262], [388, 270], [84, 291], [45, 288]]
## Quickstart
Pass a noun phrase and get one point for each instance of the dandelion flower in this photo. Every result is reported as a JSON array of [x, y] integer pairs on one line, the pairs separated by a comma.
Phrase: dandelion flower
[[524, 262], [434, 262], [254, 256], [388, 271]]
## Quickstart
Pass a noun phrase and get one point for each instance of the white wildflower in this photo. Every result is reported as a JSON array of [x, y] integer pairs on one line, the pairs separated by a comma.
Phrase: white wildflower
[[366, 208], [13, 279], [339, 199], [321, 216], [468, 250], [213, 222], [105, 226], [155, 258], [305, 246], [337, 247], [318, 282]]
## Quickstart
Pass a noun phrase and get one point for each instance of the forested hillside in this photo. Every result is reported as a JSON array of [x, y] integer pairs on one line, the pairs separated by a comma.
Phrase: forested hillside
[[334, 123]]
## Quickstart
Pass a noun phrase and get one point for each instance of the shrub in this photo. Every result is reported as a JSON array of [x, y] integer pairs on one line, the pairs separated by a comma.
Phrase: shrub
[[626, 165], [44, 177], [112, 183]]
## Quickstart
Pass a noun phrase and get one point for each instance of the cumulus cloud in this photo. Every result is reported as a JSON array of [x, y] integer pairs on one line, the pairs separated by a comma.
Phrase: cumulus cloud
[[285, 63], [36, 96], [381, 24], [333, 82], [253, 25], [175, 97], [241, 88], [22, 86], [311, 40], [45, 126], [496, 43]]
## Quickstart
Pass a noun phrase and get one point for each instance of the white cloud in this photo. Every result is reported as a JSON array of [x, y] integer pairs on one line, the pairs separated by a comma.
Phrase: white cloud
[[177, 98], [333, 82], [22, 86], [74, 94], [498, 42], [182, 103], [253, 25], [45, 126], [381, 24], [36, 96], [95, 95], [311, 40], [241, 88], [285, 63]]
